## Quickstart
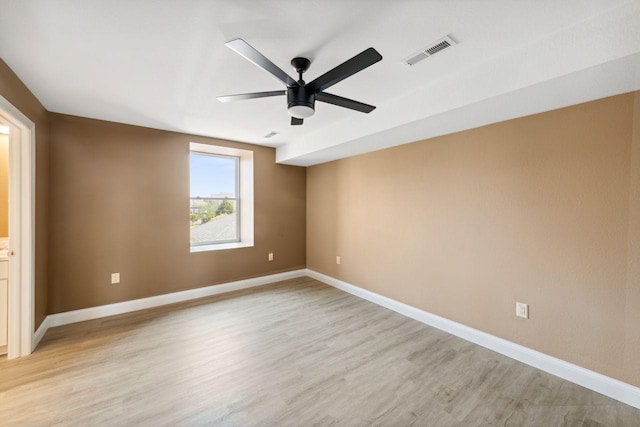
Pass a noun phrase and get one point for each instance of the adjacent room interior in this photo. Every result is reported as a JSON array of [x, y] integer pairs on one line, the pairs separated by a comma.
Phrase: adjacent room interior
[[430, 216]]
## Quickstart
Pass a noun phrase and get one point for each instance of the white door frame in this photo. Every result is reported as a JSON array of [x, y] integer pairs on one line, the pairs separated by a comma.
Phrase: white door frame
[[21, 299]]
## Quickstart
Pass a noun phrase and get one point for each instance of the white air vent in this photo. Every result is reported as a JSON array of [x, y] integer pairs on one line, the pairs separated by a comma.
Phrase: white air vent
[[270, 134], [432, 49]]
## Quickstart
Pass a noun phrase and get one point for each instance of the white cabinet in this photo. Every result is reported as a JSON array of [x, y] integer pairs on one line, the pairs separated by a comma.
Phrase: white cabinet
[[4, 296]]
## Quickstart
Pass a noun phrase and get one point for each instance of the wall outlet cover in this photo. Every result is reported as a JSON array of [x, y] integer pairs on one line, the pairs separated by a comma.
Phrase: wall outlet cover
[[522, 310]]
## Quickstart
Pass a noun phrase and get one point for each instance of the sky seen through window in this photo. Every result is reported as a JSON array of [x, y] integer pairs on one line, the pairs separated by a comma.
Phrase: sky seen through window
[[212, 175]]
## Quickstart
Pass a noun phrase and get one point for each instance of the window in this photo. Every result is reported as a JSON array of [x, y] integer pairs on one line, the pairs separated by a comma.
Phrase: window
[[214, 199], [221, 197]]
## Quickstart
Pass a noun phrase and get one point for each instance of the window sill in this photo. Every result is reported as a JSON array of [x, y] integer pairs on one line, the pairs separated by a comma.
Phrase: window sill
[[221, 246]]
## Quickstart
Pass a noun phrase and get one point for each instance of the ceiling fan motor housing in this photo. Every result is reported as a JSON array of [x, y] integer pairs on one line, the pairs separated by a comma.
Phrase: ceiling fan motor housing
[[301, 101]]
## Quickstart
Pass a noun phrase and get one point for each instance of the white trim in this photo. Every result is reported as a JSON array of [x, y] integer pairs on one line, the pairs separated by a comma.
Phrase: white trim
[[67, 317], [220, 246], [21, 230], [602, 384]]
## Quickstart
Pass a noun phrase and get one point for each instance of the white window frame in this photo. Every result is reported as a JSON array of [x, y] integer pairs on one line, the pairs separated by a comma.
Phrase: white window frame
[[245, 195]]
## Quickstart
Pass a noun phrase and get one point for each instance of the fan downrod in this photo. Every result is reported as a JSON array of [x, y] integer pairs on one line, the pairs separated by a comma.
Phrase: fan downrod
[[300, 65]]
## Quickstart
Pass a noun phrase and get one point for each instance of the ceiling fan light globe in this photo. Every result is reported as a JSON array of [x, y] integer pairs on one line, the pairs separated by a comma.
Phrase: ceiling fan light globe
[[301, 111]]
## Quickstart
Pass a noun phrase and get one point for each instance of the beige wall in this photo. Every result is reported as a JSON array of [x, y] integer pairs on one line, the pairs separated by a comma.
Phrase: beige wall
[[543, 210], [632, 306], [120, 203], [14, 91], [4, 185]]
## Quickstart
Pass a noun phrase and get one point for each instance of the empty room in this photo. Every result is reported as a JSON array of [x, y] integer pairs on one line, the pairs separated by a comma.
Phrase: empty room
[[320, 213]]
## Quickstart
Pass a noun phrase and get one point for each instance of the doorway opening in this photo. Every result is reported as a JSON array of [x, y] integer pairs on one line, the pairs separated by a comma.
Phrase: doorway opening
[[19, 251]]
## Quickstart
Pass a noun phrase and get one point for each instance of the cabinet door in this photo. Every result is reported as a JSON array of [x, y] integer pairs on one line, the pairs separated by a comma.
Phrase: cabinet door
[[3, 311]]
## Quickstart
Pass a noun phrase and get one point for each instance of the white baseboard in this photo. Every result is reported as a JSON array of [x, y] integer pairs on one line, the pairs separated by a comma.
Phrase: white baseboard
[[74, 316], [602, 384]]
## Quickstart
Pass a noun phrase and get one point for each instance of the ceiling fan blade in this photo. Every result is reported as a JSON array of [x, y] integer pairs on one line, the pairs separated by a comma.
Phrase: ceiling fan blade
[[348, 68], [344, 102], [243, 96], [246, 50], [296, 121]]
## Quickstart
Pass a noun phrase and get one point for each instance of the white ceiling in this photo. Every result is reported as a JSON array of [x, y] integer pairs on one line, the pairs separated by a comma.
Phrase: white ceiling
[[161, 63]]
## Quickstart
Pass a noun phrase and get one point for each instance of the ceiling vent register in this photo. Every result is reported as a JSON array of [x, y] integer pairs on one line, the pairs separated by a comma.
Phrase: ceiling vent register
[[432, 49], [270, 134]]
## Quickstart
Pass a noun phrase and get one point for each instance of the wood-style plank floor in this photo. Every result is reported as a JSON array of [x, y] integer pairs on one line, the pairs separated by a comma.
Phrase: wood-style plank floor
[[295, 353]]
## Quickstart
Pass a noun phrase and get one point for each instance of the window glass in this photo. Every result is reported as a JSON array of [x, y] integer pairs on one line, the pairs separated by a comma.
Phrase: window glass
[[214, 201]]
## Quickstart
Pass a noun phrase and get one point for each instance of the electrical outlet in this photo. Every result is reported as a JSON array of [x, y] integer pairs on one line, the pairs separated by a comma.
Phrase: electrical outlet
[[338, 259], [522, 310], [115, 278], [270, 256]]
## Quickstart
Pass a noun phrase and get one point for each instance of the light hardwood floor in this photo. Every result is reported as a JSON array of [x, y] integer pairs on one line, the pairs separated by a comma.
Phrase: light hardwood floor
[[295, 353]]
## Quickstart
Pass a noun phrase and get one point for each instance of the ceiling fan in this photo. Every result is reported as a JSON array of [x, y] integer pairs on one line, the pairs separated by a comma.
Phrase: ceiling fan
[[301, 96]]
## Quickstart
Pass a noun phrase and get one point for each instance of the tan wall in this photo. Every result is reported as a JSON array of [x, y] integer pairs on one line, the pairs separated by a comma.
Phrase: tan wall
[[632, 307], [4, 185], [120, 203], [543, 210], [14, 91]]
